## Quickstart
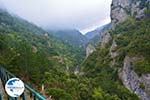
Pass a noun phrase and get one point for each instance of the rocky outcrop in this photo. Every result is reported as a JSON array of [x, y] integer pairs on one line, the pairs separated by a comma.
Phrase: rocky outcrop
[[113, 52], [136, 84], [122, 9], [34, 49], [105, 38], [89, 50], [46, 35], [118, 13]]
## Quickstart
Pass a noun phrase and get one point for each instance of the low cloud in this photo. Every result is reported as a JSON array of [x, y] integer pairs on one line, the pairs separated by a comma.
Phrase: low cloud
[[54, 14]]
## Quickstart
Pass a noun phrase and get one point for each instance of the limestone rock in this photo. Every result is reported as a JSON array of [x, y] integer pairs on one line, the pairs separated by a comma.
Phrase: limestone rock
[[106, 38], [132, 81], [113, 52], [89, 50], [46, 35], [34, 49], [122, 9], [119, 10]]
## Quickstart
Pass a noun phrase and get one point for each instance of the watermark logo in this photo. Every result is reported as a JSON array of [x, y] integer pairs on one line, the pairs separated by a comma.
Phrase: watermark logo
[[14, 87]]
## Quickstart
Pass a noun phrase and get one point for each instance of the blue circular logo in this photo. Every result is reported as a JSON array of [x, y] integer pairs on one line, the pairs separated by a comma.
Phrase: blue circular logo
[[14, 87]]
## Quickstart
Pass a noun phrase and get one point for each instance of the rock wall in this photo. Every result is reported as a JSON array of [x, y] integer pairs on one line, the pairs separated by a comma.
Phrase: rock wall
[[121, 10], [118, 10], [136, 84]]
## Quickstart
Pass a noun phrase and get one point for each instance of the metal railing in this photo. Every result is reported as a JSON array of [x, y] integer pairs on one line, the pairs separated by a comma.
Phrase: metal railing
[[6, 75]]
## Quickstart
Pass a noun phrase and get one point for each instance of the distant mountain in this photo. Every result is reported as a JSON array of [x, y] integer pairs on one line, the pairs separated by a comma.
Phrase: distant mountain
[[97, 31], [72, 37], [95, 35]]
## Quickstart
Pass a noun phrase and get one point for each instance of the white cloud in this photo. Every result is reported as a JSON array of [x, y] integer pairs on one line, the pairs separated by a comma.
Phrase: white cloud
[[79, 14], [96, 25]]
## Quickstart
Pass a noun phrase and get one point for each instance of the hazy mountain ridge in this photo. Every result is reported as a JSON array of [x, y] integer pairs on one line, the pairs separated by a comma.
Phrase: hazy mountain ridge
[[93, 33], [72, 37], [95, 38], [90, 35]]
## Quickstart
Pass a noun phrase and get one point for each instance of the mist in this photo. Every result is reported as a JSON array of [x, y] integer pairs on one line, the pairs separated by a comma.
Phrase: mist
[[84, 15]]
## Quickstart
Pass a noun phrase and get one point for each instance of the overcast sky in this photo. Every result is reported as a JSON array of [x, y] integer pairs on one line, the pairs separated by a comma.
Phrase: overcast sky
[[84, 15]]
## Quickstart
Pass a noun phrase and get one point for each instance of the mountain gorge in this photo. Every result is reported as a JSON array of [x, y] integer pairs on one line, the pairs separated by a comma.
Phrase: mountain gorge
[[118, 68]]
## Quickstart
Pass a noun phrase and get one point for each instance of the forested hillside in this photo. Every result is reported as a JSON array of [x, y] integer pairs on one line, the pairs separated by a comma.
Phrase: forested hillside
[[28, 51]]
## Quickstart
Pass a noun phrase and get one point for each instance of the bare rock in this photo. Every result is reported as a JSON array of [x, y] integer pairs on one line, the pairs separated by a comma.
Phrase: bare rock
[[132, 81], [106, 38], [34, 49], [145, 78], [113, 52], [89, 50]]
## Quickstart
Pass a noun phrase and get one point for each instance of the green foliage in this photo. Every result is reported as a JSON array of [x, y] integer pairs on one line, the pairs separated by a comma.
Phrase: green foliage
[[36, 58], [103, 78], [147, 12], [142, 86], [40, 59], [99, 94], [59, 94], [142, 66], [27, 52], [132, 38]]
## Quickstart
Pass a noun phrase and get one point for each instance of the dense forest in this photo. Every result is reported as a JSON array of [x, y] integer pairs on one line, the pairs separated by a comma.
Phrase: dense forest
[[27, 49]]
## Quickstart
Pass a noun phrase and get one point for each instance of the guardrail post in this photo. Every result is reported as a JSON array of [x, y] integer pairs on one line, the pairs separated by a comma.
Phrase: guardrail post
[[34, 97], [23, 96], [10, 98], [16, 98], [1, 97]]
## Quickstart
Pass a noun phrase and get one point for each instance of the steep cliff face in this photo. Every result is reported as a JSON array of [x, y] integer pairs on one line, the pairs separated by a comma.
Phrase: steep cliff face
[[136, 84], [121, 11]]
